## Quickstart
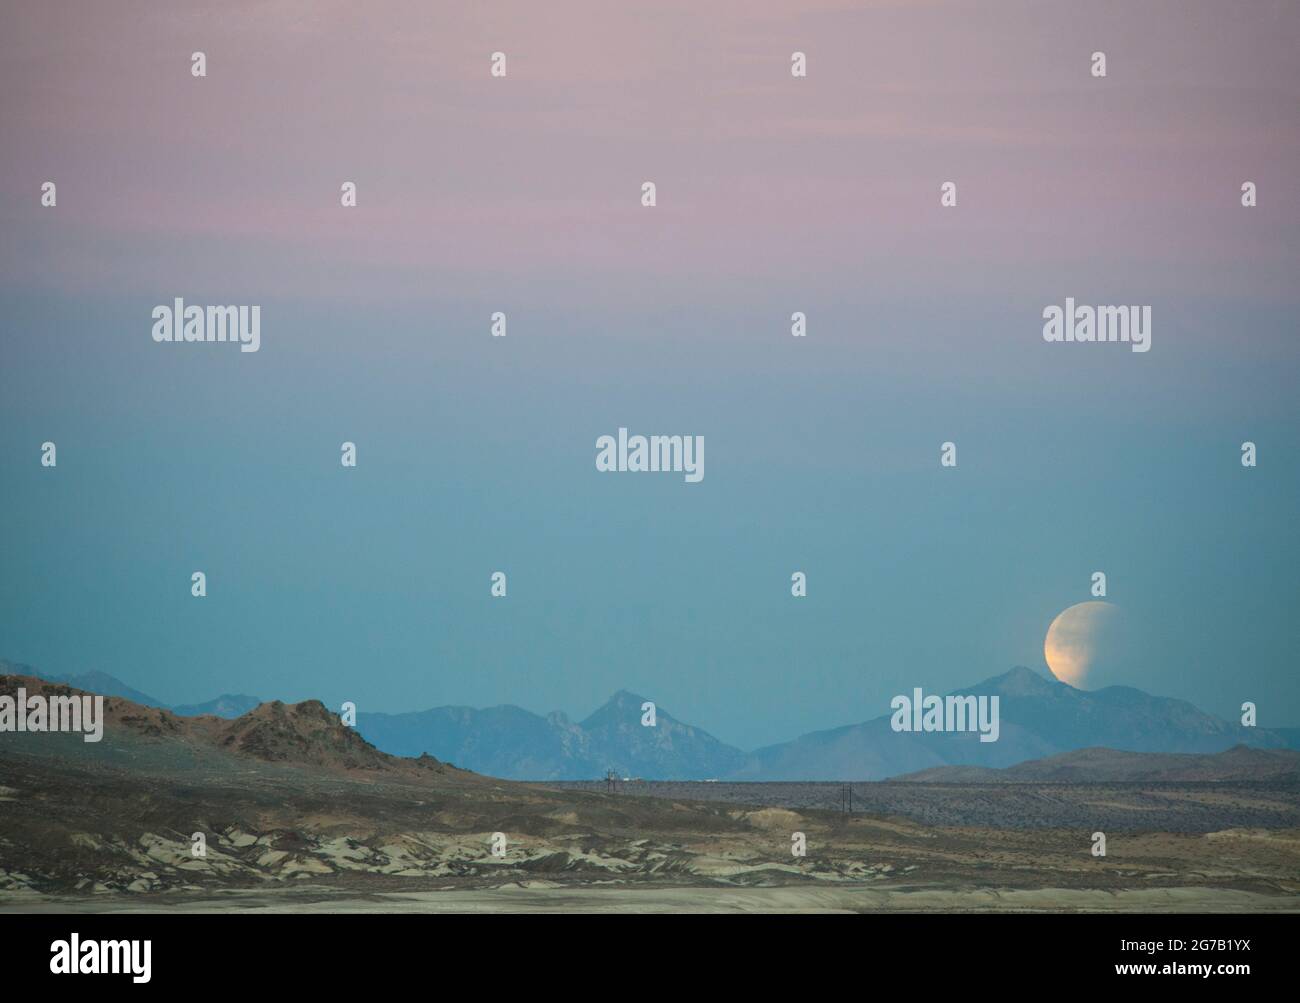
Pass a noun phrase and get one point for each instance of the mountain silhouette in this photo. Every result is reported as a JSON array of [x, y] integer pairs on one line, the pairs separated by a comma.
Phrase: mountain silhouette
[[91, 682], [304, 734], [1040, 717], [229, 705], [516, 744]]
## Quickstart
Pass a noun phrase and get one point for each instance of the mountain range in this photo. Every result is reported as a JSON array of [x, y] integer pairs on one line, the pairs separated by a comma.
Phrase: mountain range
[[516, 744], [229, 705], [1041, 717]]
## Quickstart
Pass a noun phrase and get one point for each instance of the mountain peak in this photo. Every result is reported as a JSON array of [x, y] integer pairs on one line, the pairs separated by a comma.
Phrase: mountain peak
[[621, 706], [624, 698], [306, 732], [1023, 681], [1045, 671], [228, 705]]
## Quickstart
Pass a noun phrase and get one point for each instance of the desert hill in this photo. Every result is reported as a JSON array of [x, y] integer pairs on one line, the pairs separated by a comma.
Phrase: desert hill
[[305, 734]]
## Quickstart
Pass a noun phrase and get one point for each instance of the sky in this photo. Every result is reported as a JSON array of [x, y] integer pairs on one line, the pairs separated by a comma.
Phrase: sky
[[775, 194]]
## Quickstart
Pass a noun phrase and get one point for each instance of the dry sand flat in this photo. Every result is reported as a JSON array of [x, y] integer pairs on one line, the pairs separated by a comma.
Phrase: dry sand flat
[[383, 848], [541, 897], [1108, 806]]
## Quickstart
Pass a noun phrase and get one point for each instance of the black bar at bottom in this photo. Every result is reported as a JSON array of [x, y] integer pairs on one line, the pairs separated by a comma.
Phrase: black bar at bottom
[[328, 952]]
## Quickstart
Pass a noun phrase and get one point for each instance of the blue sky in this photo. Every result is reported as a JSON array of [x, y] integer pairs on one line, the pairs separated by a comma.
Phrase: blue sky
[[477, 454]]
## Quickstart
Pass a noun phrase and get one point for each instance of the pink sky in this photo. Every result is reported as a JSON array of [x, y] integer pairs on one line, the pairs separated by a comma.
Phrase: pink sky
[[466, 180]]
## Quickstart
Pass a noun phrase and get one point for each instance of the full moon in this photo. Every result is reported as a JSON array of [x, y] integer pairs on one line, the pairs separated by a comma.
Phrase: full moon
[[1079, 638]]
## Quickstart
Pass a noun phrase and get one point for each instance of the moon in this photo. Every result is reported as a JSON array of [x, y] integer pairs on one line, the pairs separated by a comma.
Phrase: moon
[[1079, 638]]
